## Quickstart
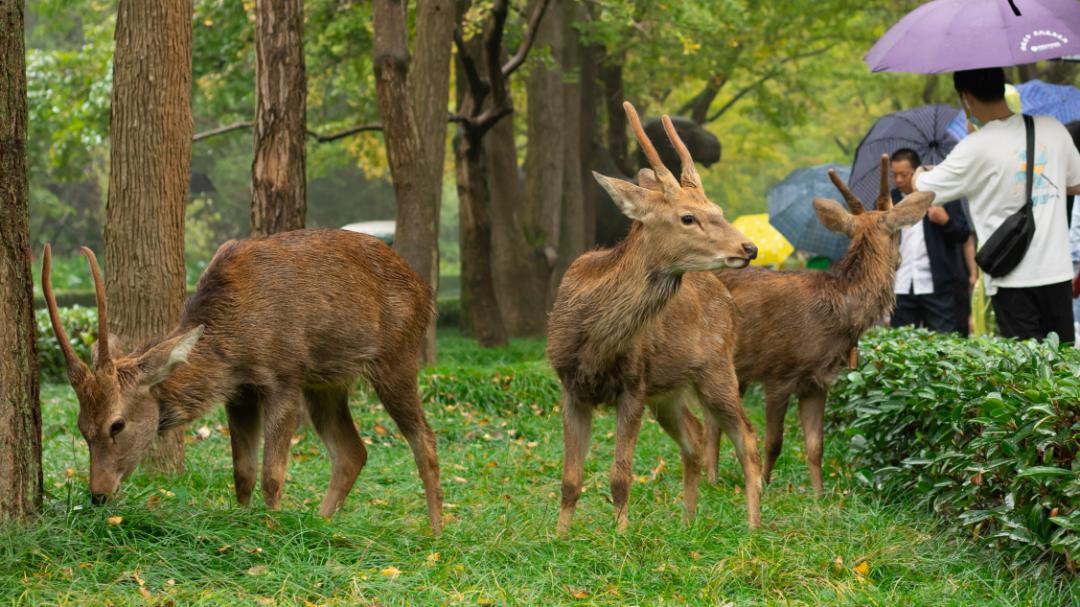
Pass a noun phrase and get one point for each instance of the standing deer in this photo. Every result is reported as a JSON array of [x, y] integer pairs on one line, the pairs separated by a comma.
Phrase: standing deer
[[796, 329], [647, 320], [277, 325]]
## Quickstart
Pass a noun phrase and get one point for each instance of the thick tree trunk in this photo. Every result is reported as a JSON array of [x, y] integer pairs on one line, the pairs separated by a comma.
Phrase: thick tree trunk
[[278, 179], [590, 57], [478, 302], [148, 180], [20, 403], [617, 143], [413, 104], [571, 214]]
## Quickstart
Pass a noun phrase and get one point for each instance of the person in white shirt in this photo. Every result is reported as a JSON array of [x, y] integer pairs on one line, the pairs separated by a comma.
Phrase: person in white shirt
[[932, 275], [989, 168]]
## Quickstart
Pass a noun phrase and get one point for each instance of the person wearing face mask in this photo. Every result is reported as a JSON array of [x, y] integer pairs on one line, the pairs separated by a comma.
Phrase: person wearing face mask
[[932, 275], [989, 168]]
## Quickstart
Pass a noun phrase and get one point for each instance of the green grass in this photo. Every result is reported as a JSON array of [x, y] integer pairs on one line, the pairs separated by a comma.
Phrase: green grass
[[182, 541]]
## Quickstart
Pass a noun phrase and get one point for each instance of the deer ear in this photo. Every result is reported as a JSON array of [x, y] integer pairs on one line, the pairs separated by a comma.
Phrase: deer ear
[[646, 178], [160, 361], [834, 216], [909, 211], [115, 349], [634, 202]]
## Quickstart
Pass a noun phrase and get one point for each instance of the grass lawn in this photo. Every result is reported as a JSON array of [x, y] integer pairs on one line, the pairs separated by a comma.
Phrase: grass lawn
[[183, 541]]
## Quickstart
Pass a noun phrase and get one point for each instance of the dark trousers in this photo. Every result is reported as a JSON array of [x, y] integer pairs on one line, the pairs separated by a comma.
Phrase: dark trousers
[[1027, 312], [936, 311], [963, 308]]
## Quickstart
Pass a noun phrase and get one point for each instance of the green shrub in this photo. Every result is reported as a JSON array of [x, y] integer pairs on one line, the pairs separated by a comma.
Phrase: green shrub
[[81, 326], [983, 431]]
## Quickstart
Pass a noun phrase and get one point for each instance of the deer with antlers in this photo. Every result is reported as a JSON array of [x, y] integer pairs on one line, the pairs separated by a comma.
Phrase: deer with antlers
[[647, 321], [277, 326], [796, 329]]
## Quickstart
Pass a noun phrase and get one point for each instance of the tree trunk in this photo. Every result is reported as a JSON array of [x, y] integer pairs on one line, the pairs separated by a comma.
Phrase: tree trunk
[[478, 300], [590, 63], [413, 108], [277, 173], [617, 143], [20, 403], [148, 181], [571, 234]]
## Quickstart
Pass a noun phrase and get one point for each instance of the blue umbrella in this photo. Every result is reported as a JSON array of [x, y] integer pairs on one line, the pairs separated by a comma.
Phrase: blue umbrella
[[922, 129], [1061, 101], [791, 210], [953, 35]]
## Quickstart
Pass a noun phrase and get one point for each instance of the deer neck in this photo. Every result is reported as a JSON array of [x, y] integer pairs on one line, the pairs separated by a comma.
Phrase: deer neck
[[194, 387], [628, 297], [868, 276]]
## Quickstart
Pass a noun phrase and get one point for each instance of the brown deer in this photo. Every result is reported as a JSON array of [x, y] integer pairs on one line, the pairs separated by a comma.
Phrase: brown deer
[[278, 325], [796, 329], [647, 321]]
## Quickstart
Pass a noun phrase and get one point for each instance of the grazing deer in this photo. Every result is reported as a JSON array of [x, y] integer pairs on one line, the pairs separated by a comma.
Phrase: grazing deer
[[796, 329], [277, 325], [648, 321]]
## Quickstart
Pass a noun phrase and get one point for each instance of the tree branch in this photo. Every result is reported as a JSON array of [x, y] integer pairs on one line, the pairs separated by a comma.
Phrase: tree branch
[[763, 79], [493, 50], [478, 87], [221, 130], [530, 36]]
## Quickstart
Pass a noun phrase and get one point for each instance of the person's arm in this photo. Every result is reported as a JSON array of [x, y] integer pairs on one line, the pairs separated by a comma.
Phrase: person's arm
[[950, 179], [969, 261], [952, 221]]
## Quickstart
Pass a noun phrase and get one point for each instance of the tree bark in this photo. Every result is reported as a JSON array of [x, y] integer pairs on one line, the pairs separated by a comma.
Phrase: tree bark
[[590, 63], [617, 142], [278, 176], [148, 180], [413, 104], [571, 215], [20, 403]]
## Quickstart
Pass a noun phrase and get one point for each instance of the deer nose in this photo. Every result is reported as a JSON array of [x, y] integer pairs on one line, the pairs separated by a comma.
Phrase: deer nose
[[751, 250], [98, 498]]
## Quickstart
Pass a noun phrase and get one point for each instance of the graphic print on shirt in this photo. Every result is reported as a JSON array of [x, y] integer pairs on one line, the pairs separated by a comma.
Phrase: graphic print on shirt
[[1042, 190]]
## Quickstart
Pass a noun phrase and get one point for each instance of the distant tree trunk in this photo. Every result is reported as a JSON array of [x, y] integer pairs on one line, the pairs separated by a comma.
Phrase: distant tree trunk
[[278, 179], [617, 143], [148, 180], [20, 403], [571, 241], [413, 103], [590, 63]]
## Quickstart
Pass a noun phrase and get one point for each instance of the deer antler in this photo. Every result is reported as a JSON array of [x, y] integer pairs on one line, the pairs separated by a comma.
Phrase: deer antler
[[884, 199], [662, 173], [76, 369], [690, 177], [855, 206], [103, 358]]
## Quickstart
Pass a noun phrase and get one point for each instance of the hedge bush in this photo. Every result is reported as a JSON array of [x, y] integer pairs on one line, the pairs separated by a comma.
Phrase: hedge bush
[[81, 326], [984, 431]]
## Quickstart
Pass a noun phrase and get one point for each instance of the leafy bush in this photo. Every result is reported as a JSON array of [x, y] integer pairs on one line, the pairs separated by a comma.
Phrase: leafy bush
[[984, 431], [81, 326]]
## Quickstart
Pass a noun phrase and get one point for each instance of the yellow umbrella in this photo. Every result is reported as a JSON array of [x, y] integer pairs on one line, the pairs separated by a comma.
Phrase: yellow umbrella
[[773, 248]]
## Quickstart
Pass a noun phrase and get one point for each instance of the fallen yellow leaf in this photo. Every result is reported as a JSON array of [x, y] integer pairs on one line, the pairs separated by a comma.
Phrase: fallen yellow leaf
[[433, 558], [577, 593], [862, 568], [391, 572], [381, 430], [114, 520], [258, 570]]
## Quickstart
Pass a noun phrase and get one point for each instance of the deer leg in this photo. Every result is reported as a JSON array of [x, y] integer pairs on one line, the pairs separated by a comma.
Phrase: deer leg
[[719, 395], [577, 426], [329, 412], [677, 420], [776, 404], [712, 437], [396, 386], [627, 427], [812, 414], [281, 416], [244, 430]]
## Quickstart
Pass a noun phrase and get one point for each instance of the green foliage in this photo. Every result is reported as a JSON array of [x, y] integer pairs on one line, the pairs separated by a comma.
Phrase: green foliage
[[983, 431], [80, 323]]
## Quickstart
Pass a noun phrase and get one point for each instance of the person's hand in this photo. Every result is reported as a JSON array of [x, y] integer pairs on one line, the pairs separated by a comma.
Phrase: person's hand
[[973, 280], [937, 215]]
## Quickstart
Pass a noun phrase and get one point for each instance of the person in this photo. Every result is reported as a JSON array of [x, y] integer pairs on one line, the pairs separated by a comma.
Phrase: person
[[988, 167], [932, 274]]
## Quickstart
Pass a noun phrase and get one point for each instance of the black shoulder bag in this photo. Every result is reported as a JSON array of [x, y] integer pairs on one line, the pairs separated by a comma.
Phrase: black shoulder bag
[[1002, 252]]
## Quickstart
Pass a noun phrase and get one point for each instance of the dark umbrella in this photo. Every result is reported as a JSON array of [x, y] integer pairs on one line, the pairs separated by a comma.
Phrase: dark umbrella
[[1062, 101], [953, 35], [791, 210], [922, 129]]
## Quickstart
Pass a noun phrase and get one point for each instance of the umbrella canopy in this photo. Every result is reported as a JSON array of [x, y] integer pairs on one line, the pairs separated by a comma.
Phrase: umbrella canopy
[[791, 210], [923, 129], [773, 248], [1061, 101], [954, 35]]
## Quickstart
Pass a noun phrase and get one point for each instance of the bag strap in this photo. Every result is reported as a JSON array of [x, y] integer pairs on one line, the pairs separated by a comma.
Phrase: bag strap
[[1029, 126]]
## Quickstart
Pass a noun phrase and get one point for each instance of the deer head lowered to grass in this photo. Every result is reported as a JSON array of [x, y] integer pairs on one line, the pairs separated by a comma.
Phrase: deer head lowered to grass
[[647, 321], [277, 326], [796, 329]]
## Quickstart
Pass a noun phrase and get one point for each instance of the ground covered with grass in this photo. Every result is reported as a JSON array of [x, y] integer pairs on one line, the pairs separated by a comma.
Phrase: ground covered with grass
[[183, 541]]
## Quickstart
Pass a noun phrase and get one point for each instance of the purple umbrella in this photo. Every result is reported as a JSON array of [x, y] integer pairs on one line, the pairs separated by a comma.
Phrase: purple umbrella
[[954, 35]]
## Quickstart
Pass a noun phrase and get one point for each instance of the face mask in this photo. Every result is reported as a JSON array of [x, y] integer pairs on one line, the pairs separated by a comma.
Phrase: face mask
[[975, 122]]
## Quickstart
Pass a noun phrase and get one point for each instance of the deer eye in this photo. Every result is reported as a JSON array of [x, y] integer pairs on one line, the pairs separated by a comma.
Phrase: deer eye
[[116, 428], [688, 220]]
